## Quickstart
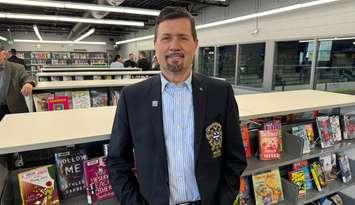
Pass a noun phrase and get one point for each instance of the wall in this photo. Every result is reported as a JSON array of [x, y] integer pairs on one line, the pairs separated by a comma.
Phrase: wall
[[334, 19]]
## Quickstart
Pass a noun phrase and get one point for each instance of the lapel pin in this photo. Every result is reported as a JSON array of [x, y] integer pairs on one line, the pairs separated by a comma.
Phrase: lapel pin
[[201, 89], [155, 103]]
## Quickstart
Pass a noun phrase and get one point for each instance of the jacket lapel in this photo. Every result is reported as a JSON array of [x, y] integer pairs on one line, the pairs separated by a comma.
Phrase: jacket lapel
[[157, 115], [199, 92]]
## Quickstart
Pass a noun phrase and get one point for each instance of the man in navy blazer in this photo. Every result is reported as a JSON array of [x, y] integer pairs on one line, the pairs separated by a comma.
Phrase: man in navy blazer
[[183, 128]]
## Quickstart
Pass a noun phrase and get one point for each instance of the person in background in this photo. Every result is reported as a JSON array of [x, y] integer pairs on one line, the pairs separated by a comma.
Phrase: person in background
[[183, 127], [15, 83], [117, 62], [142, 62], [13, 58], [130, 62], [155, 63]]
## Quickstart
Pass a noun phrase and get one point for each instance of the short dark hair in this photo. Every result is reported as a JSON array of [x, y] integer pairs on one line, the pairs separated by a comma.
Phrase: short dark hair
[[116, 58], [13, 51], [142, 53], [170, 13]]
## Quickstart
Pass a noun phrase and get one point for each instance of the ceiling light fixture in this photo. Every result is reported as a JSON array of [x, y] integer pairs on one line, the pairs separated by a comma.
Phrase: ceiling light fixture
[[69, 19], [247, 17], [85, 35], [3, 38], [81, 6], [60, 42], [35, 28]]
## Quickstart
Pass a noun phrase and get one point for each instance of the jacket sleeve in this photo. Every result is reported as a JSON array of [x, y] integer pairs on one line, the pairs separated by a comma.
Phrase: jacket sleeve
[[120, 159], [25, 77], [234, 161]]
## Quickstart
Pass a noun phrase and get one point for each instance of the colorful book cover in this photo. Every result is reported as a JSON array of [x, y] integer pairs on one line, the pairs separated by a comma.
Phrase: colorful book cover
[[275, 125], [325, 131], [310, 135], [268, 188], [98, 98], [41, 101], [246, 139], [70, 172], [269, 145], [329, 166], [344, 167], [307, 173], [349, 126], [97, 182], [38, 186], [318, 175], [297, 177], [81, 99], [58, 103], [300, 131], [244, 191], [335, 124]]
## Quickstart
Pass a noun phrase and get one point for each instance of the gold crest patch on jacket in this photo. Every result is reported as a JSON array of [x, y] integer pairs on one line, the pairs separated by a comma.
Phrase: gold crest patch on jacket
[[214, 136]]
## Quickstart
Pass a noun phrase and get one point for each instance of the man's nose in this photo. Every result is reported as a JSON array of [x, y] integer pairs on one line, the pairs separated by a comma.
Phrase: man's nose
[[175, 44]]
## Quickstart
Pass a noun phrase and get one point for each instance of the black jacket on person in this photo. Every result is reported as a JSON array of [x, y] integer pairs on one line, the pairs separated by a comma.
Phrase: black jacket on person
[[144, 64], [138, 125], [129, 63], [17, 60]]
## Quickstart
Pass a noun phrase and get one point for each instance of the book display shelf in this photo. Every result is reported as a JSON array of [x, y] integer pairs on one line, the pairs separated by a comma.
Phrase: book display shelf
[[36, 60], [82, 126], [90, 93], [93, 75], [84, 69]]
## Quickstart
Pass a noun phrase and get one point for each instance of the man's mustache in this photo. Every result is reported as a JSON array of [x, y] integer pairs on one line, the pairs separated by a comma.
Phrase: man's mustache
[[176, 54]]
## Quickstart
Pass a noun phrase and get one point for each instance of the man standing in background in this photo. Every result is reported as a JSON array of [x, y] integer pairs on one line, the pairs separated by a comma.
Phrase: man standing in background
[[142, 61], [15, 83], [183, 127], [130, 62], [13, 58]]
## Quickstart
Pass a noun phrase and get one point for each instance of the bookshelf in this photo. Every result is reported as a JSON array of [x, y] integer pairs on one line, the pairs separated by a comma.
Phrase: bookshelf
[[108, 74], [96, 123], [36, 60], [47, 69]]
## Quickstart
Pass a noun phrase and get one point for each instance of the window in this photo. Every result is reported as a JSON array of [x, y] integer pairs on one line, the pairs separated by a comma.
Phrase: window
[[251, 65], [206, 60], [226, 56], [292, 65], [335, 69]]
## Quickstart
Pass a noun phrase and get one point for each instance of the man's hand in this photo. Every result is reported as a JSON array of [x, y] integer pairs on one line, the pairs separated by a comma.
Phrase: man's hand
[[26, 89]]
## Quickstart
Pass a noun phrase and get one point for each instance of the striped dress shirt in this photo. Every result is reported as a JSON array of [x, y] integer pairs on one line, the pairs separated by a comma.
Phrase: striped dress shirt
[[178, 118]]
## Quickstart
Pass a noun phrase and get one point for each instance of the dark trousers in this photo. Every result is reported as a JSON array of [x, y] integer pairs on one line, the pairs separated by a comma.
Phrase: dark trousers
[[3, 111]]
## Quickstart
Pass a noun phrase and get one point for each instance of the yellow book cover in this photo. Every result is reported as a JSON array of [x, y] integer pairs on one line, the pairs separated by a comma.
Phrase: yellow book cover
[[268, 188]]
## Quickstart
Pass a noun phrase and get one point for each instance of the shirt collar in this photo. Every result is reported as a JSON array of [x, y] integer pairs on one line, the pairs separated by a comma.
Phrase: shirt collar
[[165, 82]]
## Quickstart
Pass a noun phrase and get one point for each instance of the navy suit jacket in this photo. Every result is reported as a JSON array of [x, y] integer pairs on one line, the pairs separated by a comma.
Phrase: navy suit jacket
[[138, 125]]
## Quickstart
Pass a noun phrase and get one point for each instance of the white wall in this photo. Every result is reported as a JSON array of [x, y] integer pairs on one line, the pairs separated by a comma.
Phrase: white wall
[[334, 19]]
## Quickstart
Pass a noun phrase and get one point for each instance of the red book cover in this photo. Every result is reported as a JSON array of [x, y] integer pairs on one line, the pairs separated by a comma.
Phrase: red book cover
[[97, 183], [38, 186], [246, 140], [58, 103], [325, 131], [269, 145]]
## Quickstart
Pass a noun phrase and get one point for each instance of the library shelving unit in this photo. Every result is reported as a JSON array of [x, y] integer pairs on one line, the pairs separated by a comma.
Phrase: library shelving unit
[[36, 60], [94, 75], [26, 132], [84, 69], [60, 87]]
